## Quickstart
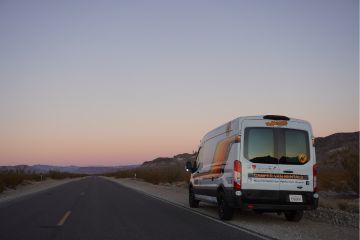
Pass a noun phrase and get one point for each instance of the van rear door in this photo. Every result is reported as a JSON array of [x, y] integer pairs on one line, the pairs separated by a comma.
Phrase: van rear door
[[260, 166], [296, 157]]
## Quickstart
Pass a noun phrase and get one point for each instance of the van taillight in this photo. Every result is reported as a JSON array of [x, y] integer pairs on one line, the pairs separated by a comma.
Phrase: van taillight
[[315, 178], [237, 174]]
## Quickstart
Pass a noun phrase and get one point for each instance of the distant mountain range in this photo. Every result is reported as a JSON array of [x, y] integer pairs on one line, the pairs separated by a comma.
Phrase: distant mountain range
[[71, 169], [330, 152]]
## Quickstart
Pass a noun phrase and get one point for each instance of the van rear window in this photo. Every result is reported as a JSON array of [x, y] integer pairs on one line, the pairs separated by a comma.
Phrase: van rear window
[[276, 146], [259, 145]]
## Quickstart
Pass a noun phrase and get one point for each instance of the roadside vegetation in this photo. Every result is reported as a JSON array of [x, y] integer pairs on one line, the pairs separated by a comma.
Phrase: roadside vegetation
[[166, 174], [341, 179], [13, 178], [340, 185]]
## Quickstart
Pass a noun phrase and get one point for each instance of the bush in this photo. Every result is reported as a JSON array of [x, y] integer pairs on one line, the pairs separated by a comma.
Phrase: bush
[[2, 186], [332, 180], [56, 175], [12, 178], [343, 178], [351, 166], [166, 174]]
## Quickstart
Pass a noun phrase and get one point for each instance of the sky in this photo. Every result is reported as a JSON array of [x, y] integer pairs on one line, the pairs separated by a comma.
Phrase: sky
[[122, 82]]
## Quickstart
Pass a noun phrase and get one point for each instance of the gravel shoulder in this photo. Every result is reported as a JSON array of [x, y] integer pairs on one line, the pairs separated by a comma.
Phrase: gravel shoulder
[[30, 188], [316, 225]]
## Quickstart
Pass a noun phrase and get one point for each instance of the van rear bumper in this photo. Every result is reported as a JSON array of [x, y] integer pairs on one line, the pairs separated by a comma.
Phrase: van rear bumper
[[268, 200]]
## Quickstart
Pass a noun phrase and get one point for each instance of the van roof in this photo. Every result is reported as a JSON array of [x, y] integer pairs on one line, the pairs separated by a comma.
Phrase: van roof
[[235, 123], [273, 117]]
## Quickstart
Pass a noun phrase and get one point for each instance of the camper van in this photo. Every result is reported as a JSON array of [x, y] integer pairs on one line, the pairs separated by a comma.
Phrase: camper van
[[260, 163]]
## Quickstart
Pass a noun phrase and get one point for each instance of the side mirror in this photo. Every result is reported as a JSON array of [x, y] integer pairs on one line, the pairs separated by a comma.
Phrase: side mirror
[[189, 167]]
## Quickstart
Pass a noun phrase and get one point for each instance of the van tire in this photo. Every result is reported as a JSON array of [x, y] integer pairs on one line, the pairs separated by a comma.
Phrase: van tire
[[193, 203], [294, 216], [224, 210]]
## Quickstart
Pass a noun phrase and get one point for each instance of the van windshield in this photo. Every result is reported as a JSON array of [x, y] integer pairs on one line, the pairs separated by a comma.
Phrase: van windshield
[[276, 146]]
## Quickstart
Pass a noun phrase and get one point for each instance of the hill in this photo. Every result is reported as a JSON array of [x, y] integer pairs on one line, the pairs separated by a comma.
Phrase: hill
[[175, 161], [333, 150], [338, 162]]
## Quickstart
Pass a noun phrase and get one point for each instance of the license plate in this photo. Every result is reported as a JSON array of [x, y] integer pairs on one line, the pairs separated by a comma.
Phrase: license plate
[[295, 198]]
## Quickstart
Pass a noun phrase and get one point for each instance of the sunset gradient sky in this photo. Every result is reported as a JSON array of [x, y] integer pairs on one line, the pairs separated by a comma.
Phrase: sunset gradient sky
[[121, 82]]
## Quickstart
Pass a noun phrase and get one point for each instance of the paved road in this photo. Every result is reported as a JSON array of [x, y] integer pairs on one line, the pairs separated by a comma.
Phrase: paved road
[[95, 208]]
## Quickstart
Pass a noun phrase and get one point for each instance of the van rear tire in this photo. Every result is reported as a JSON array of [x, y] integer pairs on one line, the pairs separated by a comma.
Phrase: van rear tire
[[294, 216], [225, 211], [193, 203]]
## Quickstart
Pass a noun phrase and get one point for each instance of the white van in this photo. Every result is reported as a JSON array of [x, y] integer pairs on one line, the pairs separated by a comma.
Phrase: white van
[[262, 163]]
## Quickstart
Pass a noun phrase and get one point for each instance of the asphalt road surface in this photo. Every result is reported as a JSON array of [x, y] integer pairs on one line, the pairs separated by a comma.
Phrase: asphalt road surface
[[96, 208]]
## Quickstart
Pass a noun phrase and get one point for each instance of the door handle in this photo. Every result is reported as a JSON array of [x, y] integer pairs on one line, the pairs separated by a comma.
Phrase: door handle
[[288, 171]]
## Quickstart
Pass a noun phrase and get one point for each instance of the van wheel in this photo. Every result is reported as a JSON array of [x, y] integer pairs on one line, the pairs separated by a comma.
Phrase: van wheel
[[225, 211], [193, 203], [294, 216]]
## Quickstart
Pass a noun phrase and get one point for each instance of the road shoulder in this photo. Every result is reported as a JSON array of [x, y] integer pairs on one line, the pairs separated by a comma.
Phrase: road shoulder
[[29, 189]]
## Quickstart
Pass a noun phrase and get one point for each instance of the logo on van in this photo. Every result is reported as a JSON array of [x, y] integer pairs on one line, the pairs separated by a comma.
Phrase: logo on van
[[279, 176], [273, 123], [302, 158], [253, 166]]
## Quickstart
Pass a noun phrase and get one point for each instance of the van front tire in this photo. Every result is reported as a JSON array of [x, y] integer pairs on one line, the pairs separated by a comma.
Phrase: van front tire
[[294, 216], [225, 211], [193, 203]]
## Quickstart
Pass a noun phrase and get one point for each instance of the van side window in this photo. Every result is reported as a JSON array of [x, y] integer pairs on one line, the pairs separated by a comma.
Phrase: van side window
[[208, 150], [198, 158]]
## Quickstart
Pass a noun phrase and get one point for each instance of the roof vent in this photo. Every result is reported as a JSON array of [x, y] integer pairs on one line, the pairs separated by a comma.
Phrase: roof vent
[[276, 117]]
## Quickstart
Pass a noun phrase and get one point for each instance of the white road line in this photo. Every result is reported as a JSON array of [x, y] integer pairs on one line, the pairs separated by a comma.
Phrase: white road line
[[63, 219]]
